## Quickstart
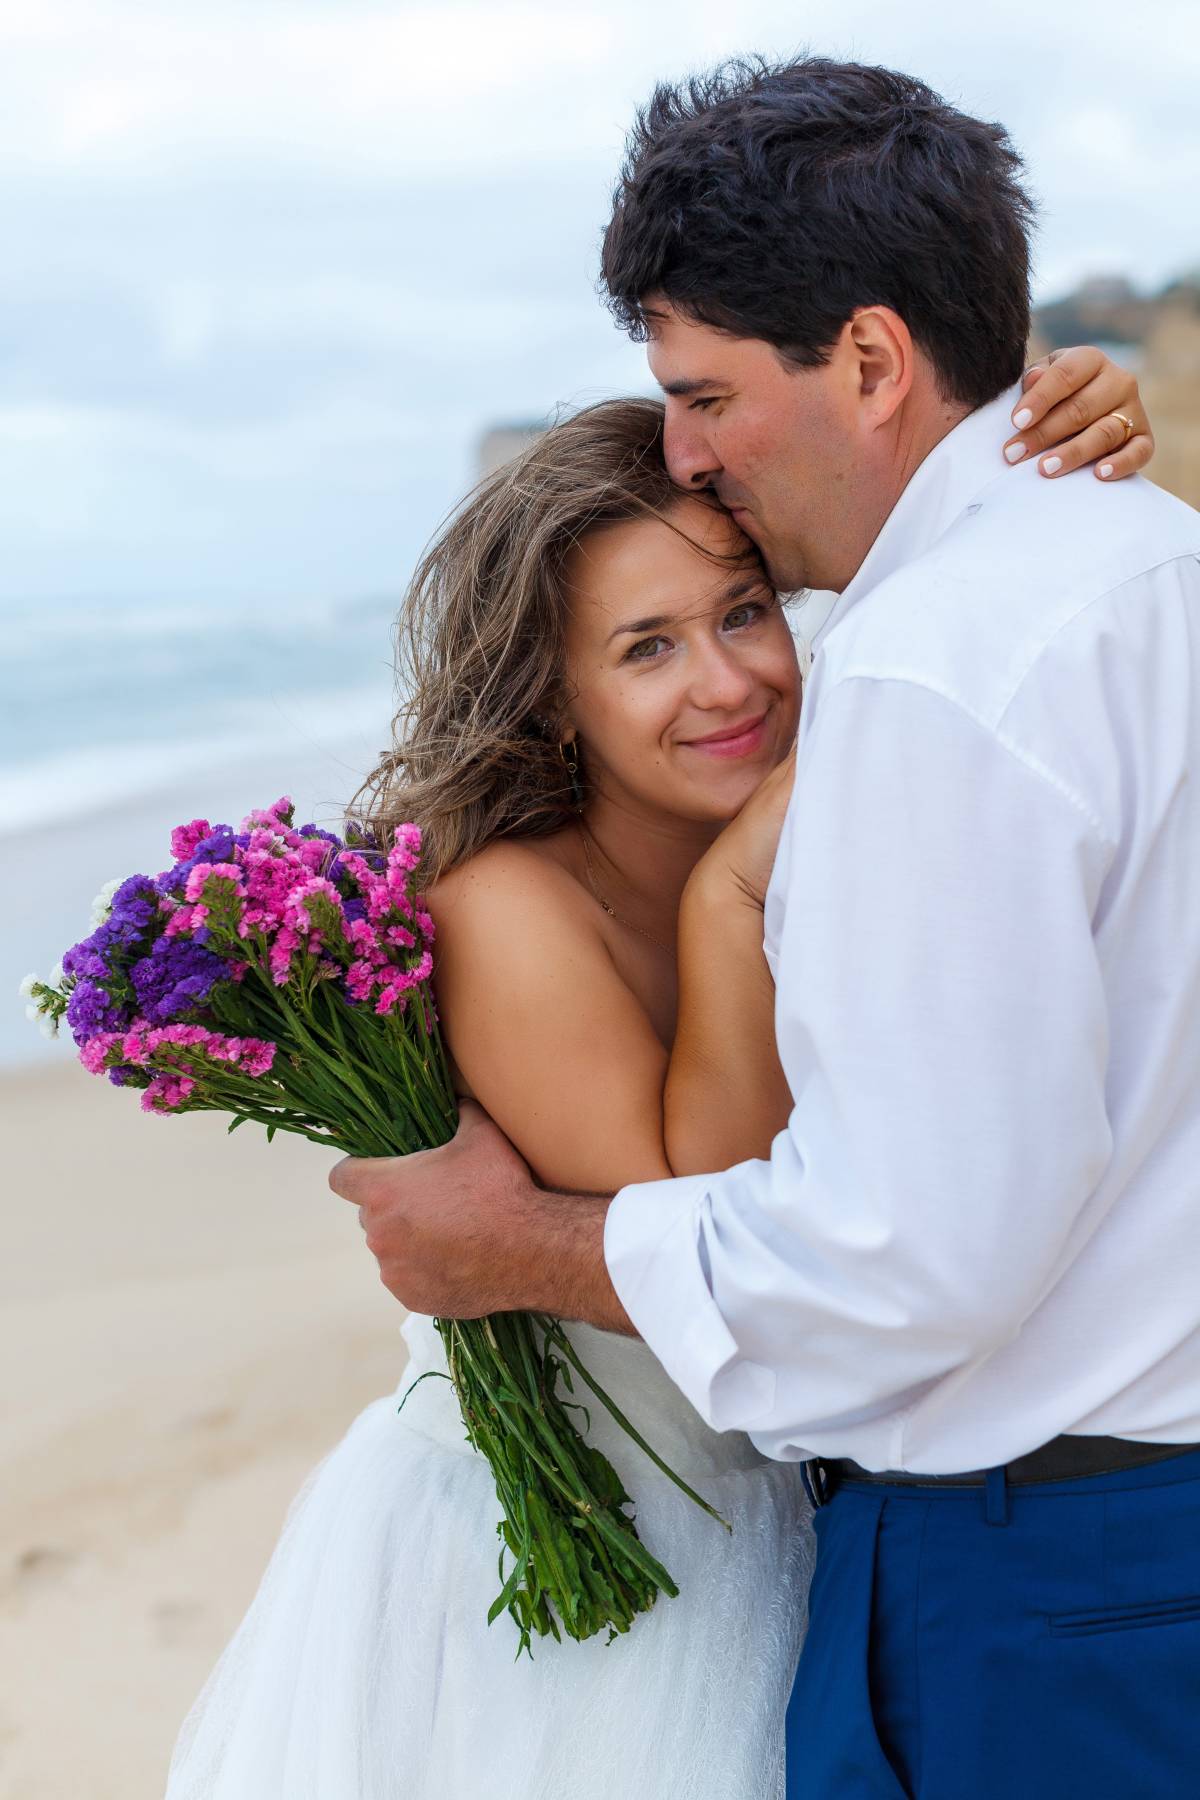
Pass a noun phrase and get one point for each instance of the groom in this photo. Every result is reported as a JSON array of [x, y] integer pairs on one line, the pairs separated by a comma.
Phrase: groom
[[965, 1289]]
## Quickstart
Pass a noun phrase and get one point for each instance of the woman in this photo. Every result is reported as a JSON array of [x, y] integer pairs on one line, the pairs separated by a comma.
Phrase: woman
[[601, 677]]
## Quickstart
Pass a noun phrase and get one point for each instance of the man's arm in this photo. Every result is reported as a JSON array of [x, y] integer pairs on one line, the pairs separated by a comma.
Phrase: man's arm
[[463, 1231], [941, 1021]]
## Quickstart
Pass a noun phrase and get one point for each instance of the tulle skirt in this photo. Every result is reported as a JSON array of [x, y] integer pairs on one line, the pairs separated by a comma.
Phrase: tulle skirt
[[365, 1668]]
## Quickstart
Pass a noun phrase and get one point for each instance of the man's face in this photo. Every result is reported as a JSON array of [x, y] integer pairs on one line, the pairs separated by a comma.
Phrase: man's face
[[783, 448]]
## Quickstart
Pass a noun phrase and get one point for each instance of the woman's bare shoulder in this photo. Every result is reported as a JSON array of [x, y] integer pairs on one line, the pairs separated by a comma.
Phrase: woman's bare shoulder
[[511, 880]]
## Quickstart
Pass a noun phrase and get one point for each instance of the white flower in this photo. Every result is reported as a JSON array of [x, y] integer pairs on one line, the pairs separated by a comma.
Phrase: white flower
[[102, 904], [57, 975], [25, 990], [33, 1013], [49, 1028]]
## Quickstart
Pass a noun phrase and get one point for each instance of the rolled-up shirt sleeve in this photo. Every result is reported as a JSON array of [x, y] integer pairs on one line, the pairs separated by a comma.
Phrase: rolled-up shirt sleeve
[[940, 1017]]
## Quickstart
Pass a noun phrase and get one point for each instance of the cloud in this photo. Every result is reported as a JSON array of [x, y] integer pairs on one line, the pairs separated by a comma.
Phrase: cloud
[[271, 268], [362, 88]]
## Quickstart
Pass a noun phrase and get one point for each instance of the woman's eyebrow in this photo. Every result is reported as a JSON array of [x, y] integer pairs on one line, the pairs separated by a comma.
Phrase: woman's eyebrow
[[745, 582]]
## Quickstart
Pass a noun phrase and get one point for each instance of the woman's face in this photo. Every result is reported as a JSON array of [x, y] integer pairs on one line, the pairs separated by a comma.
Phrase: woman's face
[[684, 674]]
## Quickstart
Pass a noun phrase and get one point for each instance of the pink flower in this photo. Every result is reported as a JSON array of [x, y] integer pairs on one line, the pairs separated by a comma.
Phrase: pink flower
[[203, 873], [257, 1056], [135, 1047], [167, 1093], [405, 852], [360, 979], [390, 998], [271, 818], [184, 838], [279, 957], [96, 1052]]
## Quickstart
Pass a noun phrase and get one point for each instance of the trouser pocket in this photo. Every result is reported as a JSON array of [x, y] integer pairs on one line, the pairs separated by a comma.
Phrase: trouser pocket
[[1125, 1618]]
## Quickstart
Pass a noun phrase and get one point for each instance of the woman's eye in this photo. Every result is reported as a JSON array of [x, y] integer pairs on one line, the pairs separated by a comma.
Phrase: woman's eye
[[744, 615], [645, 650]]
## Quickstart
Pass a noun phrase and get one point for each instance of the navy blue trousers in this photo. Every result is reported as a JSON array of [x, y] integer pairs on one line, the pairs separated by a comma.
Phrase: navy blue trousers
[[1035, 1643]]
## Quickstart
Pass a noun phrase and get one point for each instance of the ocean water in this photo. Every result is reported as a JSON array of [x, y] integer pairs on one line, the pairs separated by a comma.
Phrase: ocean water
[[120, 719], [105, 702]]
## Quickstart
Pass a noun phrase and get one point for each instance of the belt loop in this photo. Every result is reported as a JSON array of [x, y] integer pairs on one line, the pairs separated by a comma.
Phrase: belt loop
[[816, 1483], [995, 1504]]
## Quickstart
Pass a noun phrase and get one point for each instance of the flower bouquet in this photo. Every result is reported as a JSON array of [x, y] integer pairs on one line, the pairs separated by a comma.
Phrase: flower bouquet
[[283, 976]]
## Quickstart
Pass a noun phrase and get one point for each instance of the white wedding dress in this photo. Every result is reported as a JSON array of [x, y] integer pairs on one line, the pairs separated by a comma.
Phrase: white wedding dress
[[365, 1668]]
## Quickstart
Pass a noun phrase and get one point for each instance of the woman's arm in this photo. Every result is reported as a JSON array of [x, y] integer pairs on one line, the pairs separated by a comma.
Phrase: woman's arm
[[545, 1032], [550, 1039], [726, 1096], [1068, 409]]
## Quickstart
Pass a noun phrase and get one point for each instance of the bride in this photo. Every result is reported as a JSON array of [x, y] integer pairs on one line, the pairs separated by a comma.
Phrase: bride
[[599, 678]]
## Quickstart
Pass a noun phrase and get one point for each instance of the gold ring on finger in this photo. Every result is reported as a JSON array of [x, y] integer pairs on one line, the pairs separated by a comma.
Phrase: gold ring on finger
[[1129, 425]]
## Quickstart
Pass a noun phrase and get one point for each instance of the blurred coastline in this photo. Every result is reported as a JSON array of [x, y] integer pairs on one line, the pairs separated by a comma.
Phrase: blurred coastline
[[119, 721], [1158, 336]]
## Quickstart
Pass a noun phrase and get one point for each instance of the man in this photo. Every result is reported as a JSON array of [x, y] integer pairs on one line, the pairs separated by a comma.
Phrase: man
[[965, 1284]]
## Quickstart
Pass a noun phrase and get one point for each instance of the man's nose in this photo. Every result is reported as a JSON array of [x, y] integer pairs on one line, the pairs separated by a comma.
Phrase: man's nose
[[691, 461]]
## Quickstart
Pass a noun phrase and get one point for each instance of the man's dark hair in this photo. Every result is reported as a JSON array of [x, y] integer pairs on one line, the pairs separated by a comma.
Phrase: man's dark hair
[[773, 200]]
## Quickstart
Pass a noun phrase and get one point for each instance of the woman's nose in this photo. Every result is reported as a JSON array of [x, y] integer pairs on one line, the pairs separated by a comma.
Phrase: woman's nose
[[719, 679]]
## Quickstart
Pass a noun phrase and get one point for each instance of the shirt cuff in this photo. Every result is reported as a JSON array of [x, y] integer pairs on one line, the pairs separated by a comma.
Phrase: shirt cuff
[[653, 1245]]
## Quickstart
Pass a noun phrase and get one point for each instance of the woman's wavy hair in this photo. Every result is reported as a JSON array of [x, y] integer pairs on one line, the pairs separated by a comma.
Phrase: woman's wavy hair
[[481, 638]]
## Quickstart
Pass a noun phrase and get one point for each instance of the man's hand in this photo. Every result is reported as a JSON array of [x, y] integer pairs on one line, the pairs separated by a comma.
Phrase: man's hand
[[464, 1230]]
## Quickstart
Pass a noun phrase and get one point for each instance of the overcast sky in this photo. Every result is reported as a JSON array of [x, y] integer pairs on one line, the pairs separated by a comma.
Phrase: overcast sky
[[269, 267]]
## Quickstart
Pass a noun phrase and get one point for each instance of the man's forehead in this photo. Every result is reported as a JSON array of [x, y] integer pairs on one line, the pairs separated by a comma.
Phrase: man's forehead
[[684, 355]]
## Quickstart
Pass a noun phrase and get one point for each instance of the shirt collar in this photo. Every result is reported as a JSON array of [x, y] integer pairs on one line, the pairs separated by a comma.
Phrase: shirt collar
[[957, 469]]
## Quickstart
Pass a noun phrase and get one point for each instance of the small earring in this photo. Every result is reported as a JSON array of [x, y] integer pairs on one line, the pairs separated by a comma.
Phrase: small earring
[[570, 758]]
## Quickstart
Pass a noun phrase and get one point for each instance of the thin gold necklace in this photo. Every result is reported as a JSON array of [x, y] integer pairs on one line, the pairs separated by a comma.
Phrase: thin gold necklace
[[603, 903]]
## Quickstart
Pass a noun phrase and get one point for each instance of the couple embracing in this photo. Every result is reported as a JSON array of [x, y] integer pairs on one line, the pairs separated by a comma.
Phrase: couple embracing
[[877, 1015]]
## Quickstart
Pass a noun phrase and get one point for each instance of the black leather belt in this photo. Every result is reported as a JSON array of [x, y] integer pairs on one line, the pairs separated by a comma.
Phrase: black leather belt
[[1063, 1459]]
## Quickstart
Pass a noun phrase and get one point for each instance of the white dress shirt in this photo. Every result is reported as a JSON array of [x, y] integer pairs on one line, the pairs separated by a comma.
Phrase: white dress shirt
[[981, 1226]]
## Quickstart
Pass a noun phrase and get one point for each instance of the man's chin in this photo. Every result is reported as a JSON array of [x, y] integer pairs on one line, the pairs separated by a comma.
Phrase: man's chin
[[787, 573]]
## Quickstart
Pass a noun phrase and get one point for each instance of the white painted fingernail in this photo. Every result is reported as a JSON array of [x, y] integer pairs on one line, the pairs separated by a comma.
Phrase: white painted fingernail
[[1104, 471], [1014, 453], [1023, 418], [1052, 465]]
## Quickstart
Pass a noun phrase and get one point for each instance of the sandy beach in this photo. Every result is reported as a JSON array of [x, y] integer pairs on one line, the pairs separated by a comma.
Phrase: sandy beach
[[188, 1322]]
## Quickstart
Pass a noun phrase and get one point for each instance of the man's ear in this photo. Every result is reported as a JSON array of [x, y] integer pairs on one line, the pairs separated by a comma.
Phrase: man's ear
[[881, 352]]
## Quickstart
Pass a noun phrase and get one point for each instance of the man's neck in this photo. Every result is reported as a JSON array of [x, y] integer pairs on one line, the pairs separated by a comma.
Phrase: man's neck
[[916, 429]]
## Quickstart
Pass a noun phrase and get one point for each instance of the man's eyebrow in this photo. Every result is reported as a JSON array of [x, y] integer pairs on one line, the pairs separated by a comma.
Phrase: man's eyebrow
[[679, 390], [745, 581]]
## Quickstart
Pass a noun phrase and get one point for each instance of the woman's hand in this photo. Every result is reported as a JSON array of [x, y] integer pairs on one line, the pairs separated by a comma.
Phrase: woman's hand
[[744, 854], [1068, 409]]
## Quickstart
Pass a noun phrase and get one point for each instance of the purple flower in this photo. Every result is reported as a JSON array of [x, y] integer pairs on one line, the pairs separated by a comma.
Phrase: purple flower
[[85, 962], [91, 1009], [176, 977], [134, 905]]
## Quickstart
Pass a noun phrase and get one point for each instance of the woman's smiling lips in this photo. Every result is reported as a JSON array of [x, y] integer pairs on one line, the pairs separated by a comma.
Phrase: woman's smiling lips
[[734, 740]]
